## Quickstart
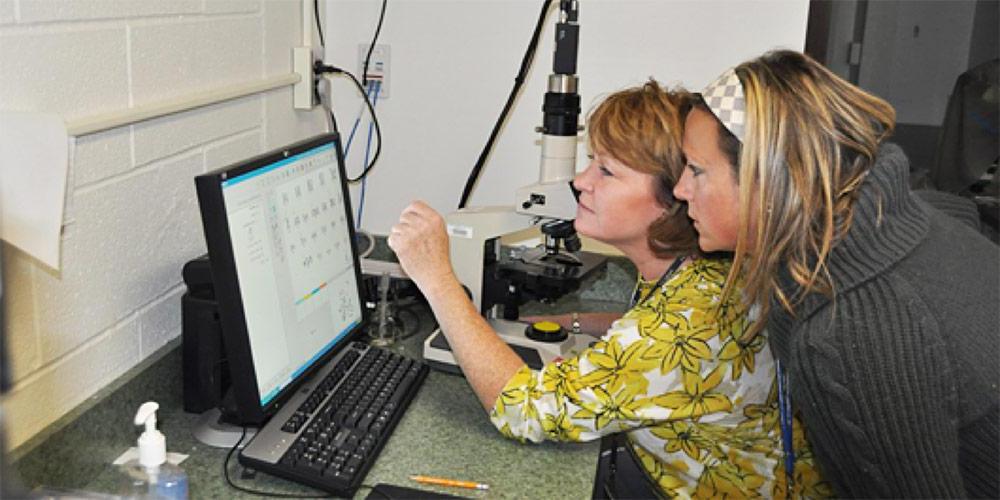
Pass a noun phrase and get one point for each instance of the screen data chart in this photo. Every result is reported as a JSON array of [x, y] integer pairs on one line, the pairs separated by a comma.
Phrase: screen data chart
[[311, 217], [291, 239]]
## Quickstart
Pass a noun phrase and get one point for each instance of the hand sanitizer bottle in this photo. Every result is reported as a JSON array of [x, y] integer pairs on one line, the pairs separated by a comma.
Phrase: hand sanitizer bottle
[[151, 476]]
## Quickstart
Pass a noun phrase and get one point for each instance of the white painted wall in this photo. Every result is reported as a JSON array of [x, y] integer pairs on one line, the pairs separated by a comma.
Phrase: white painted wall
[[453, 64], [132, 219]]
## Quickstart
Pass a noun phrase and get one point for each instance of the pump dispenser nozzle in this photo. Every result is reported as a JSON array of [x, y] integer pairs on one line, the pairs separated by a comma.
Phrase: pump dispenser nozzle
[[151, 476], [152, 444]]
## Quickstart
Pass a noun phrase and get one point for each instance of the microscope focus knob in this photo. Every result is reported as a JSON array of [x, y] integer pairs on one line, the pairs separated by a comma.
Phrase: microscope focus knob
[[545, 331], [573, 243]]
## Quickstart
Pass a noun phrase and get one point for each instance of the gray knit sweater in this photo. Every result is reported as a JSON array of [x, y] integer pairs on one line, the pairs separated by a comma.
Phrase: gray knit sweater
[[896, 379]]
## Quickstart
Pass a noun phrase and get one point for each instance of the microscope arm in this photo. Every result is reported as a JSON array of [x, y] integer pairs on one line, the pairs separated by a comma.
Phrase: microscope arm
[[552, 196]]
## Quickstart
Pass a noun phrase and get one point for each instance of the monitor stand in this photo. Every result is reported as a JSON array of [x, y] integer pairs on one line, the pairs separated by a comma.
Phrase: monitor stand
[[213, 431]]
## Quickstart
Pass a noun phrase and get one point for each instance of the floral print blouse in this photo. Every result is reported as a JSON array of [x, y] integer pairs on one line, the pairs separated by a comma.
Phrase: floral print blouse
[[700, 409]]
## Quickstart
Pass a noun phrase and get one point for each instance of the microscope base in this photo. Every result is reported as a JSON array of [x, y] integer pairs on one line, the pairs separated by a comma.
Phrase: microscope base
[[437, 352]]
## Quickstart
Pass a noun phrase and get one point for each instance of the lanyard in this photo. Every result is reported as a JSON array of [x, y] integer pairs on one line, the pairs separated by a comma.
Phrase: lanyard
[[785, 414], [663, 278]]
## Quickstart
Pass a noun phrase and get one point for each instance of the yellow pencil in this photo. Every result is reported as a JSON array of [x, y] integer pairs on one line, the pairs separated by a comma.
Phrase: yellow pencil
[[440, 481]]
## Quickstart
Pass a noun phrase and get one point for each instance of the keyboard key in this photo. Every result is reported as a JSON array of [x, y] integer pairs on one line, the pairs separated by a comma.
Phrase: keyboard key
[[339, 439], [314, 467], [366, 420], [342, 477]]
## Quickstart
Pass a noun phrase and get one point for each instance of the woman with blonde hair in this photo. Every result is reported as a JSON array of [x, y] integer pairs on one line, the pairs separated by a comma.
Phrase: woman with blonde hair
[[881, 310], [698, 409]]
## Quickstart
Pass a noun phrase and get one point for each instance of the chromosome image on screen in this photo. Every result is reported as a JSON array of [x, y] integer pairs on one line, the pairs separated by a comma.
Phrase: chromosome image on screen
[[292, 248]]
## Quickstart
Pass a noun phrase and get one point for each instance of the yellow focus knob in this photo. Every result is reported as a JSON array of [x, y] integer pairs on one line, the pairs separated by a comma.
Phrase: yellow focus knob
[[545, 331], [547, 326]]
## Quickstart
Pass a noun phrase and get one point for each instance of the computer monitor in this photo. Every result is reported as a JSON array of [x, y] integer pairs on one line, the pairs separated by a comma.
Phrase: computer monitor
[[284, 266]]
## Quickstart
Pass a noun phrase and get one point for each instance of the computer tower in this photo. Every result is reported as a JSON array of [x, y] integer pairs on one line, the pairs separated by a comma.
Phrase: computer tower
[[205, 371]]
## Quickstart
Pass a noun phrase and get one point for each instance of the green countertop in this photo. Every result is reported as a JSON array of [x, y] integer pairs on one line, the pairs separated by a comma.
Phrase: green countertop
[[445, 432]]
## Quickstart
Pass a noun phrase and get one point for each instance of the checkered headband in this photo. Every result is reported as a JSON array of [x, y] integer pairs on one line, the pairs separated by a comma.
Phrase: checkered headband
[[725, 98]]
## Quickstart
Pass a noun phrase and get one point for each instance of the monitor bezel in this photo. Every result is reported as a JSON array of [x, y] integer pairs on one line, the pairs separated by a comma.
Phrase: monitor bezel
[[245, 389]]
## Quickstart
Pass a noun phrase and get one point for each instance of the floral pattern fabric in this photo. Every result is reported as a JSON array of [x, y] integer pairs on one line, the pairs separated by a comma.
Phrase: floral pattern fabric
[[700, 408]]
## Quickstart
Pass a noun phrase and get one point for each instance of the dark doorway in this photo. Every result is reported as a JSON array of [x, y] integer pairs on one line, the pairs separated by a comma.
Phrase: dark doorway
[[912, 53]]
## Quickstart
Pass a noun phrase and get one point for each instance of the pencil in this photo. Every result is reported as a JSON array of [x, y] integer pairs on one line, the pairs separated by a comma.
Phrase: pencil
[[440, 481]]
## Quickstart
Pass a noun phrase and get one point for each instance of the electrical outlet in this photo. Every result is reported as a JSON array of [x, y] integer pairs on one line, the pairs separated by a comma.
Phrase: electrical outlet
[[302, 92], [378, 67]]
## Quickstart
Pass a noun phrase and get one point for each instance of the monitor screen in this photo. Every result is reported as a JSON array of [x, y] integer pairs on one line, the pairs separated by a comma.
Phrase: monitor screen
[[286, 273]]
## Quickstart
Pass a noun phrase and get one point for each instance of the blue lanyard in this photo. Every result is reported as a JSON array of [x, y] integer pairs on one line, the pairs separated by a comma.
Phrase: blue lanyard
[[785, 414]]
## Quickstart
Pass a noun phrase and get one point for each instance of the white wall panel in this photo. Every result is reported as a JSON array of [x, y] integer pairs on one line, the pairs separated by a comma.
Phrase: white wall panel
[[82, 71], [63, 385], [72, 10], [232, 150], [283, 125], [170, 60], [171, 134], [6, 11], [282, 29], [160, 322], [231, 6], [128, 245], [99, 156]]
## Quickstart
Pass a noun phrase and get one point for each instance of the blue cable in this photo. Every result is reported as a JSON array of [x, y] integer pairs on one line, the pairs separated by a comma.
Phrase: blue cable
[[361, 202], [354, 128]]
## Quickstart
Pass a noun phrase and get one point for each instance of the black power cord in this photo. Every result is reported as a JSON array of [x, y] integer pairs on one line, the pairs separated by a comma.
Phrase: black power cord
[[368, 57], [529, 56], [319, 26], [319, 69]]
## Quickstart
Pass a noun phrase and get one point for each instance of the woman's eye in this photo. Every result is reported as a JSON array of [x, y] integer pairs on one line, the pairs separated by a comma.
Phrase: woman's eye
[[604, 171], [695, 171]]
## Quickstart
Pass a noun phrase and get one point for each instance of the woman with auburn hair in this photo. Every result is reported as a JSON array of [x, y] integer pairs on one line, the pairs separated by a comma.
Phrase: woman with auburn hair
[[881, 310], [697, 408]]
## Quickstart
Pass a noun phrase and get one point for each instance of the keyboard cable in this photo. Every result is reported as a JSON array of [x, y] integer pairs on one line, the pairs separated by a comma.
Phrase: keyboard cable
[[225, 472]]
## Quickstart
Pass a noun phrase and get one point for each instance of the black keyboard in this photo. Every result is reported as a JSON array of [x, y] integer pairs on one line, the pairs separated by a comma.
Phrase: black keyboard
[[334, 436]]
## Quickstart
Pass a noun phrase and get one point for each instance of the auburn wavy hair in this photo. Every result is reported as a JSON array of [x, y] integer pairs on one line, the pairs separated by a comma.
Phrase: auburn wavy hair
[[811, 139], [642, 128]]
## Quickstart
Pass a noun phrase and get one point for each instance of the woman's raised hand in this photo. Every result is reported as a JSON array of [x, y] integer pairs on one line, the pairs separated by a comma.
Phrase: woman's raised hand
[[421, 244]]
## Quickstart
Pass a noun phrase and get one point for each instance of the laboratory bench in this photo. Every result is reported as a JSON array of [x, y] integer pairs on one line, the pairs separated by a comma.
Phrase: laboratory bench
[[445, 431]]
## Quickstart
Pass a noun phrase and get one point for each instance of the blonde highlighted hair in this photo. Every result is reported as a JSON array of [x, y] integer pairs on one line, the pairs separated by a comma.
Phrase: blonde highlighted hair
[[811, 139], [642, 127]]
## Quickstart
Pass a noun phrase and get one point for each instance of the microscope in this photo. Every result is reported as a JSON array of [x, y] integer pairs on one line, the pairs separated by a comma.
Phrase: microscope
[[501, 278]]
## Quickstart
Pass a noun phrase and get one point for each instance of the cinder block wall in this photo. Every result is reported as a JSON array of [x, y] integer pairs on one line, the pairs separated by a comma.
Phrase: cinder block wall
[[131, 218]]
